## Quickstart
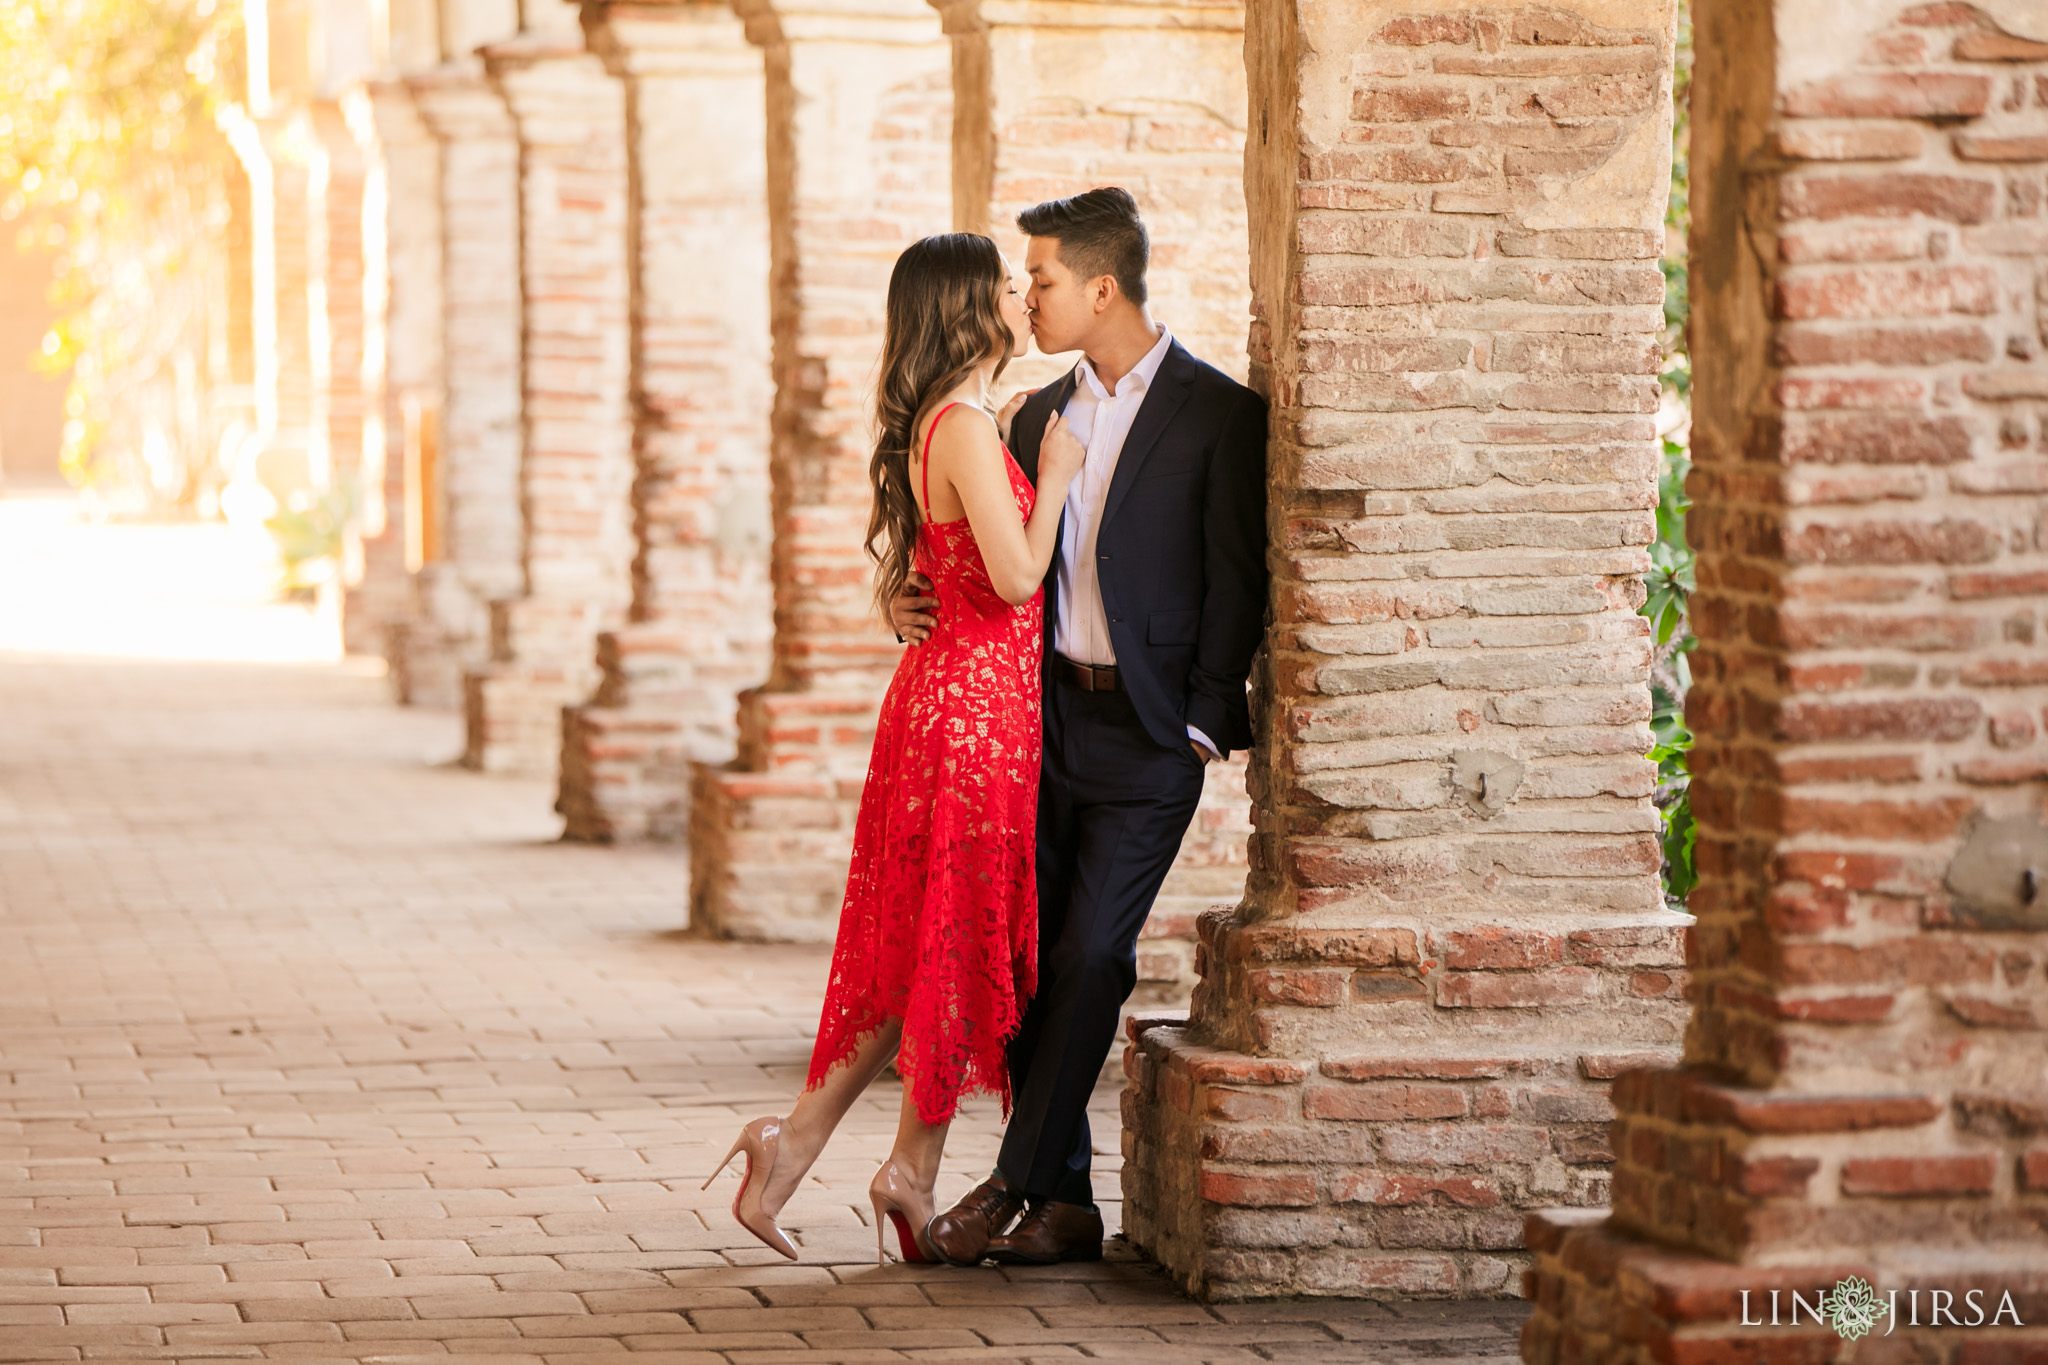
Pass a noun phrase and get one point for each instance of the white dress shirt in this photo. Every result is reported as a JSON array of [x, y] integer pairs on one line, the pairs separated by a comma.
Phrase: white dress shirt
[[1101, 421]]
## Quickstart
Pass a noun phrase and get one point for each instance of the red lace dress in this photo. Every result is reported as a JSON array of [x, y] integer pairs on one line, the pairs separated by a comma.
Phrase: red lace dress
[[940, 923]]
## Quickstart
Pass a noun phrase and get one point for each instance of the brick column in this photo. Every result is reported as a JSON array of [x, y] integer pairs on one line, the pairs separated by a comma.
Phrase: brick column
[[401, 371], [273, 150], [576, 462], [334, 247], [1055, 99], [700, 620], [859, 126], [1862, 1090], [287, 458], [1453, 934], [474, 494]]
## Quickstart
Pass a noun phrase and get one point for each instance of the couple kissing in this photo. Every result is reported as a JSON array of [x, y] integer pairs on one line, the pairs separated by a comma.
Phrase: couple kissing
[[1082, 578]]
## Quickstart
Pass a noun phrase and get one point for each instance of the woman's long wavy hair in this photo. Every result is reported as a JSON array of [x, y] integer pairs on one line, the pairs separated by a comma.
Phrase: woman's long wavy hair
[[944, 318]]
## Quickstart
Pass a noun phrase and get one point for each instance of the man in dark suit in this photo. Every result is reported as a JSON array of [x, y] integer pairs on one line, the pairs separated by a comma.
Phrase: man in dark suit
[[1154, 607]]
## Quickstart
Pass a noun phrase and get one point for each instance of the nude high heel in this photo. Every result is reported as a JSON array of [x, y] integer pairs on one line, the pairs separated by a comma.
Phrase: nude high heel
[[758, 1140], [908, 1208]]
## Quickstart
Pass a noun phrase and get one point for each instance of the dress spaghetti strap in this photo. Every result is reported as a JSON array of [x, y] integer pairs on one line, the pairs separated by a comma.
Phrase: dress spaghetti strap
[[925, 460]]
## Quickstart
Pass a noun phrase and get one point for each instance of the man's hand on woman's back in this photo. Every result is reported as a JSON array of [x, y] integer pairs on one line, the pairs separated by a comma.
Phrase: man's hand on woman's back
[[914, 611]]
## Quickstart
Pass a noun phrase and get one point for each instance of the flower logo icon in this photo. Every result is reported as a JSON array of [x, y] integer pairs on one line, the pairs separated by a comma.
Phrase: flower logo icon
[[1852, 1307]]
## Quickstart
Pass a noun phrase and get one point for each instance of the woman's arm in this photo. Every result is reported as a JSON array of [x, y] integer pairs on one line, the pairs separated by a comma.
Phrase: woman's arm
[[966, 456]]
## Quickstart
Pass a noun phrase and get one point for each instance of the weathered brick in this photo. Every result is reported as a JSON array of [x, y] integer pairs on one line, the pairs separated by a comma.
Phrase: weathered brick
[[1463, 1144], [1377, 1187], [1420, 236], [1896, 292], [1817, 243], [1608, 1065], [1314, 1144], [1242, 1106], [1906, 1177], [1258, 1191], [1885, 541], [1383, 1102], [1410, 101], [1900, 94], [1238, 1069], [1282, 986], [1926, 344], [1889, 438], [1369, 1068], [1849, 141], [1984, 46], [1424, 30], [1530, 990], [1496, 947], [1351, 947], [1972, 147], [1767, 1113], [1773, 1177]]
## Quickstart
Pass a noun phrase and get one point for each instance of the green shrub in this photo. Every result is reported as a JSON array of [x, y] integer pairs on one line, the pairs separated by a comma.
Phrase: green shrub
[[1669, 583]]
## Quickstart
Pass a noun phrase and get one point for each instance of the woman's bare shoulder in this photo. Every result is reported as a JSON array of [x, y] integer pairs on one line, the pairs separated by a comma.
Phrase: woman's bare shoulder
[[963, 431]]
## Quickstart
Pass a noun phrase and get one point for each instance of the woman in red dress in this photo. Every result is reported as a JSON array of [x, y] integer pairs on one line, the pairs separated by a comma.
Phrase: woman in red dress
[[937, 947]]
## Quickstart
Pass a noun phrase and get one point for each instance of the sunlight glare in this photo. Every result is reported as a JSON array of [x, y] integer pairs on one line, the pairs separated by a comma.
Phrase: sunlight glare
[[73, 585]]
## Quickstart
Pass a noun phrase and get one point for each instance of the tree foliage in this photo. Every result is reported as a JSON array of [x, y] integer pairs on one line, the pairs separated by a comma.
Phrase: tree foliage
[[109, 150]]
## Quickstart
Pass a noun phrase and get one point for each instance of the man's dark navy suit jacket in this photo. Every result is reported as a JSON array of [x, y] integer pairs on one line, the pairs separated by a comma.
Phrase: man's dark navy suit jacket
[[1182, 546]]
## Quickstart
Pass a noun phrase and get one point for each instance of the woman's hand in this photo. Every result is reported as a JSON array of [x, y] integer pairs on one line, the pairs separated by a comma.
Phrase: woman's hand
[[1060, 454], [1009, 412]]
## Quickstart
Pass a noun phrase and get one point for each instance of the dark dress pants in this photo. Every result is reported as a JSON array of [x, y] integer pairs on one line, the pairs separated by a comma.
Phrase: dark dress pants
[[1112, 807]]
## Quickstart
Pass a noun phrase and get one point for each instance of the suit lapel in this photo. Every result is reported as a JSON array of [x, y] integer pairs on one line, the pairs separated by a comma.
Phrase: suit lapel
[[1168, 392], [1031, 431], [1025, 448]]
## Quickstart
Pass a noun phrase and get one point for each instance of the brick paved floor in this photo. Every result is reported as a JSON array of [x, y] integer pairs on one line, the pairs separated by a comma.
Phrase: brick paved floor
[[313, 1047]]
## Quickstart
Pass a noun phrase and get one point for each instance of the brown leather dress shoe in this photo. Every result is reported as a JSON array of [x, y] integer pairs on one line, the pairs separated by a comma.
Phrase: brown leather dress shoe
[[961, 1234], [1049, 1233]]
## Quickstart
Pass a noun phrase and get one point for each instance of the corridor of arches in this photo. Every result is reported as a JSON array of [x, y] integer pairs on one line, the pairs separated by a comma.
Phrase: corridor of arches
[[570, 313]]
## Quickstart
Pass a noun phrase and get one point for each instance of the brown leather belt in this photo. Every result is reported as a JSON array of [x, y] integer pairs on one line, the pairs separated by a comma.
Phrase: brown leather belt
[[1087, 677]]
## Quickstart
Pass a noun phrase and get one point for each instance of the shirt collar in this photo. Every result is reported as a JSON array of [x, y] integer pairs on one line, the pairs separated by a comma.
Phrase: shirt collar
[[1144, 372]]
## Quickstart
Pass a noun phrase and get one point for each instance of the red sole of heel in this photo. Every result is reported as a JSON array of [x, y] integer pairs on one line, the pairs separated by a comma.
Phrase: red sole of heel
[[745, 1180], [907, 1240]]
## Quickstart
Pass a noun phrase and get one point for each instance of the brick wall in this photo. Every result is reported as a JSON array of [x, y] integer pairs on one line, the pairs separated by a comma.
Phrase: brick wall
[[701, 389], [1863, 1091], [576, 456], [477, 495], [858, 135], [1453, 937]]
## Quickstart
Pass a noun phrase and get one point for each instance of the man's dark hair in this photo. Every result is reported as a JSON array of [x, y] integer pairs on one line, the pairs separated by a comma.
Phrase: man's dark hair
[[1100, 233]]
